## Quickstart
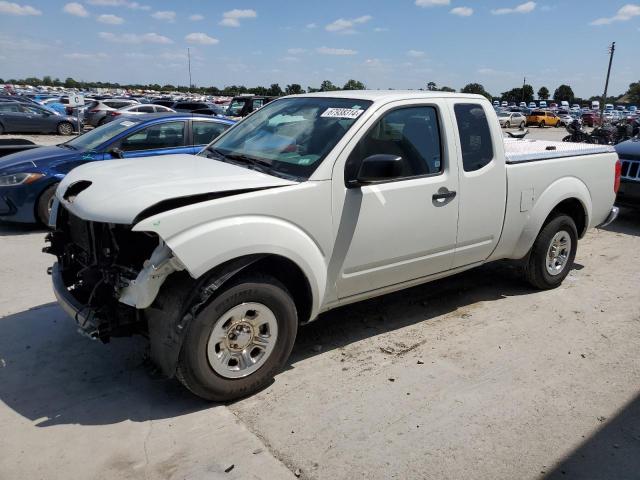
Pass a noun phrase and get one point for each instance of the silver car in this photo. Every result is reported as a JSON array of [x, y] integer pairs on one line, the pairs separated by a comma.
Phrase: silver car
[[512, 119], [95, 113], [137, 110]]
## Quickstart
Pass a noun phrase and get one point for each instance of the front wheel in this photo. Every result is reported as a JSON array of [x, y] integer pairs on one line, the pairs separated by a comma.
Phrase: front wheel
[[522, 126], [45, 202], [507, 125], [240, 341], [65, 128], [553, 253], [541, 124]]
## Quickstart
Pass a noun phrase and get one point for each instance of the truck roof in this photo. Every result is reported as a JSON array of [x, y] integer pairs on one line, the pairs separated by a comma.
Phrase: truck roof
[[390, 95]]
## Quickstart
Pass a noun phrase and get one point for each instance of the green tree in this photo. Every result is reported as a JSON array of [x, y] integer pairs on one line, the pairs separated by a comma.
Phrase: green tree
[[446, 89], [563, 93], [275, 90], [294, 89], [328, 86], [71, 83], [432, 87], [633, 94], [354, 85], [521, 94], [476, 88], [543, 93]]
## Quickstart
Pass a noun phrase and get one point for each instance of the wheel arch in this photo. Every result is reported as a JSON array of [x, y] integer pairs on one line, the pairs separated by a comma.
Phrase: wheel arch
[[568, 195]]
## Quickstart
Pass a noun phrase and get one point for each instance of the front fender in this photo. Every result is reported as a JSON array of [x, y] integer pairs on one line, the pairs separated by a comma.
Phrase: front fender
[[205, 246], [560, 190]]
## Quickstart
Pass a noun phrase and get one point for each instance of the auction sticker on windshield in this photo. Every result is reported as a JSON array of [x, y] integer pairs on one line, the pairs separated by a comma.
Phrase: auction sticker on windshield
[[127, 123], [342, 113]]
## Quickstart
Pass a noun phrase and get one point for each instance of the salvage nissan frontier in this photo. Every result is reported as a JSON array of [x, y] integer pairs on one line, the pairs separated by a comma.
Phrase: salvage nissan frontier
[[312, 202]]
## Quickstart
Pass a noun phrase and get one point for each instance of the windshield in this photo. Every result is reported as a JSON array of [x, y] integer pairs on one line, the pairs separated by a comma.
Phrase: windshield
[[504, 114], [289, 137], [96, 137], [235, 107]]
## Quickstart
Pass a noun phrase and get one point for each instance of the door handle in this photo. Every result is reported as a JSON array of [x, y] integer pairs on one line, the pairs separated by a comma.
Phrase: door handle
[[444, 195]]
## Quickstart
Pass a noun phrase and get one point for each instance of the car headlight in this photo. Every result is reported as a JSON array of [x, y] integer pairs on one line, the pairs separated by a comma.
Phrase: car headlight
[[19, 179]]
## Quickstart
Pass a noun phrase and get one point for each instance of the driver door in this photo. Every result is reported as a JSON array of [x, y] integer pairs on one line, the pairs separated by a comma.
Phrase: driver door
[[401, 229], [157, 139]]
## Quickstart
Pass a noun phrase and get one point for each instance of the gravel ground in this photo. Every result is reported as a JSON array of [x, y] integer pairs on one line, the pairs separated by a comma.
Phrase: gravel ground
[[475, 376]]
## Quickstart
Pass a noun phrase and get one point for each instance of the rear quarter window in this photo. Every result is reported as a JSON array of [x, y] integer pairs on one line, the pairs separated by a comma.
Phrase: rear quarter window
[[475, 136]]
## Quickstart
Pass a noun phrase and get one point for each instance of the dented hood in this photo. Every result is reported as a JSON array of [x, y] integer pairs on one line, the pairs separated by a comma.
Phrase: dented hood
[[119, 191]]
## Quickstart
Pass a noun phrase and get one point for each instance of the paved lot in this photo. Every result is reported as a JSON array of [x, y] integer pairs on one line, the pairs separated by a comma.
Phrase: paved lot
[[476, 376]]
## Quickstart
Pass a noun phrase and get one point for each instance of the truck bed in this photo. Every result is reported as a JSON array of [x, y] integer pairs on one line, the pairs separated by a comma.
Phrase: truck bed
[[524, 150]]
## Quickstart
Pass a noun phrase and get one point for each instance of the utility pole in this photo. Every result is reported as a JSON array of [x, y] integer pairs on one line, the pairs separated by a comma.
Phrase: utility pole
[[612, 50], [189, 60], [524, 82]]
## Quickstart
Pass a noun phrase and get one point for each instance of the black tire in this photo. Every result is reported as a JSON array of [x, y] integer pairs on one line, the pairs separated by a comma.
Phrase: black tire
[[522, 125], [102, 121], [558, 124], [536, 271], [43, 207], [507, 125], [568, 138], [541, 124], [1, 129], [195, 371], [65, 128]]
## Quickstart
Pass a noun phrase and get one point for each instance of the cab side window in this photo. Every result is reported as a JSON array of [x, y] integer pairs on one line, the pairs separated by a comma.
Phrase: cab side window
[[475, 136], [411, 133]]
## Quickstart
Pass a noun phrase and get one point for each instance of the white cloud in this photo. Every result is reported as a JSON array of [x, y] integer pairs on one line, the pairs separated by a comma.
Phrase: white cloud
[[11, 8], [133, 38], [373, 63], [119, 3], [492, 72], [625, 13], [76, 9], [527, 7], [335, 51], [432, 3], [110, 19], [312, 25], [415, 54], [343, 25], [462, 11], [165, 15], [85, 56], [296, 51], [381, 29], [201, 39], [173, 56], [232, 17], [196, 17], [289, 59]]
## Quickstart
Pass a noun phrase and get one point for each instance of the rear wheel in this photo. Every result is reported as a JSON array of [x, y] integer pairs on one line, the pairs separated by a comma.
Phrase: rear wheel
[[65, 128], [553, 253], [237, 344], [45, 202], [507, 125], [541, 124], [522, 125]]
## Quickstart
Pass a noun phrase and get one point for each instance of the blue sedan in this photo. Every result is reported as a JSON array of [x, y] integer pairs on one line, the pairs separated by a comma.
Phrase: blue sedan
[[28, 179]]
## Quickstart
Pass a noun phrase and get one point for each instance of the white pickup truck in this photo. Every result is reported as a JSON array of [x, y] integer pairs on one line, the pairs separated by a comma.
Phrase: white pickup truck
[[312, 202]]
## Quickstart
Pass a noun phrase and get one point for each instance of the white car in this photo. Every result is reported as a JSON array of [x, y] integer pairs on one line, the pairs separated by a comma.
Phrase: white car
[[313, 202], [512, 119], [139, 109]]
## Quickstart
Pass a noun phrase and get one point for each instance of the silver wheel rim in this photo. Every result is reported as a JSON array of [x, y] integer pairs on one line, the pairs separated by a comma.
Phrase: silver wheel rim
[[66, 129], [242, 340], [558, 253]]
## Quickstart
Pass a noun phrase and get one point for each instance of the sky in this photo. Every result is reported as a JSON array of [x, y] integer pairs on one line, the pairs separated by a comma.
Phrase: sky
[[383, 43]]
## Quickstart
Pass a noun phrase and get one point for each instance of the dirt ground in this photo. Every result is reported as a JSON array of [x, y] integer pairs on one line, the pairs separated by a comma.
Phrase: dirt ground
[[475, 376]]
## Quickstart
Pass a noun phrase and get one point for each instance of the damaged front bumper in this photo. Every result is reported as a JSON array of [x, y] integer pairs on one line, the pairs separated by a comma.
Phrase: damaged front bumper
[[86, 317]]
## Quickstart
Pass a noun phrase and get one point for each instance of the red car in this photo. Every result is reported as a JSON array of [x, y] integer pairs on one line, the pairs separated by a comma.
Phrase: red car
[[590, 119]]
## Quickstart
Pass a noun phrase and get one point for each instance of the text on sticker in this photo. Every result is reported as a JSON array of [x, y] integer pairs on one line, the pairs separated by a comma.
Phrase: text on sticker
[[342, 113]]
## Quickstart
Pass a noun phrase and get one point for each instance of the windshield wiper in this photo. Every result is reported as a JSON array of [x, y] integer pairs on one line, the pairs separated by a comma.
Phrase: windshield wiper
[[67, 146], [250, 160]]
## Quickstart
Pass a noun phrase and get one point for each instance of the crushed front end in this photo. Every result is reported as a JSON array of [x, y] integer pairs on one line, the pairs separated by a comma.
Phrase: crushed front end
[[96, 264]]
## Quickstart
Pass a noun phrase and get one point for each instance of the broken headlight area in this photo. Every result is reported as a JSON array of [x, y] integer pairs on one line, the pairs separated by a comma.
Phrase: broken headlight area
[[97, 262]]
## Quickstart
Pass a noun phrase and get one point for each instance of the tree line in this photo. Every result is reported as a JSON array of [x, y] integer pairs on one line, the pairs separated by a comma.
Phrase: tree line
[[524, 93]]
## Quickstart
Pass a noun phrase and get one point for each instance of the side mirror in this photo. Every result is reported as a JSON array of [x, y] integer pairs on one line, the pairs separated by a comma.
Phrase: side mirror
[[377, 168], [116, 153]]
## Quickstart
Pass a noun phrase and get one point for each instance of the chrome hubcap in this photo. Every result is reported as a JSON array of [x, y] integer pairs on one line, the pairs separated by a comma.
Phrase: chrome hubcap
[[242, 340], [558, 253]]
